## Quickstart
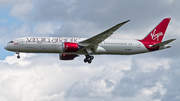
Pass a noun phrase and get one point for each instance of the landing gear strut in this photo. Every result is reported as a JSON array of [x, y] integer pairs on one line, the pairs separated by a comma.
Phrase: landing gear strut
[[88, 58], [18, 55]]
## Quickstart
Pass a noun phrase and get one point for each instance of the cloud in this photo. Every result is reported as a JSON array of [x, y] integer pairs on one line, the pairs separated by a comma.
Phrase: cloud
[[102, 84], [43, 77], [9, 2], [26, 78], [44, 29], [35, 78], [98, 16], [22, 10], [3, 20]]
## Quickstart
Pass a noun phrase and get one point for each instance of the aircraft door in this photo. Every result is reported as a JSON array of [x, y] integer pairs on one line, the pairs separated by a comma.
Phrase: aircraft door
[[138, 45], [21, 42]]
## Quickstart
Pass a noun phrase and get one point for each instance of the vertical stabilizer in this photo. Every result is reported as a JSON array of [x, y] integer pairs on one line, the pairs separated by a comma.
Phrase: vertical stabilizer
[[157, 34]]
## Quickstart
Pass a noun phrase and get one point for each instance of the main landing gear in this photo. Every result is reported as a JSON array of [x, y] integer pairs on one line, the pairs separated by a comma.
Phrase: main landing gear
[[18, 55], [88, 59]]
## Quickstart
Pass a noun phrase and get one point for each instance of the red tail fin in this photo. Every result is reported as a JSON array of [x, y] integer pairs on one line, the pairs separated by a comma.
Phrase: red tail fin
[[157, 34]]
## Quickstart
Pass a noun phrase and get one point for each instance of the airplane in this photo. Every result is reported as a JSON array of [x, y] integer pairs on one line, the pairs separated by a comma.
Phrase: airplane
[[70, 48]]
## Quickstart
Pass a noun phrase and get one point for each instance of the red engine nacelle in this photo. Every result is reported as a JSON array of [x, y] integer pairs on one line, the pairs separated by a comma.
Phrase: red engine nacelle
[[70, 47], [67, 56]]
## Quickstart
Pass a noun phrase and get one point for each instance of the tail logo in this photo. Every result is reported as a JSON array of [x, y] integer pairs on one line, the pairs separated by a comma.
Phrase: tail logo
[[155, 36]]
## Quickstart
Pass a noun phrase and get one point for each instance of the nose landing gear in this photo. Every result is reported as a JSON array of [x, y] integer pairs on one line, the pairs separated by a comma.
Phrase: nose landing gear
[[88, 59], [18, 55]]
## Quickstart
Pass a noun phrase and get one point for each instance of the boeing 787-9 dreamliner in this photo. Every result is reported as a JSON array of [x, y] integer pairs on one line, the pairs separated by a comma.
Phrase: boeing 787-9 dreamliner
[[70, 48]]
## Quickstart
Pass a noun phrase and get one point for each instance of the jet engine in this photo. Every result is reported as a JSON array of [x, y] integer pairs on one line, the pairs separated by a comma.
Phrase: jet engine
[[70, 47], [67, 56]]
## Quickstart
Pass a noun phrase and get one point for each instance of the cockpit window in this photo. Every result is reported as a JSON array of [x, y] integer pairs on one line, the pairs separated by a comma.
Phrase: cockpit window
[[11, 41]]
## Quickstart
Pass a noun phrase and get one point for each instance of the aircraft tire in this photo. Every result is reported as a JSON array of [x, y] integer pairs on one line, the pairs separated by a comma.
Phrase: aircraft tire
[[92, 57], [89, 61], [85, 60], [18, 56]]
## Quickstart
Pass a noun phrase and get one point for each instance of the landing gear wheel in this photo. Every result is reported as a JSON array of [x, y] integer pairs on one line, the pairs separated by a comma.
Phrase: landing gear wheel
[[18, 56], [92, 57], [85, 60], [88, 59]]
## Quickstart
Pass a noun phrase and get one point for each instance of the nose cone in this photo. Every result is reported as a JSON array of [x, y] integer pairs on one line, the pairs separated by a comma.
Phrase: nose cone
[[5, 47]]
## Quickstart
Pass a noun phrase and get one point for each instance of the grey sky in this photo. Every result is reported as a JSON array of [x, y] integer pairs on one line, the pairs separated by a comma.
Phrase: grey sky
[[43, 77]]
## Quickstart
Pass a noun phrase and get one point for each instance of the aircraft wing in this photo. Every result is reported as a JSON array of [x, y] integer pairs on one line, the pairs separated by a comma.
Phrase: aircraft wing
[[163, 43], [93, 42]]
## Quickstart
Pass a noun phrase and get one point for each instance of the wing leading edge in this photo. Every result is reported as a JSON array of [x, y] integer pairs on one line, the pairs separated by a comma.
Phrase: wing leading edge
[[93, 42]]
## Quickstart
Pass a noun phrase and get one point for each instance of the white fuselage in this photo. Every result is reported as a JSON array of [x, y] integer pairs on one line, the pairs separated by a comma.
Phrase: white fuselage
[[70, 48], [54, 45]]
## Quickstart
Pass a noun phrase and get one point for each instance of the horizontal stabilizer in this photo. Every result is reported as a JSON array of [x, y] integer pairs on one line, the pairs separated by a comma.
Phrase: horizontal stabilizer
[[163, 43]]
